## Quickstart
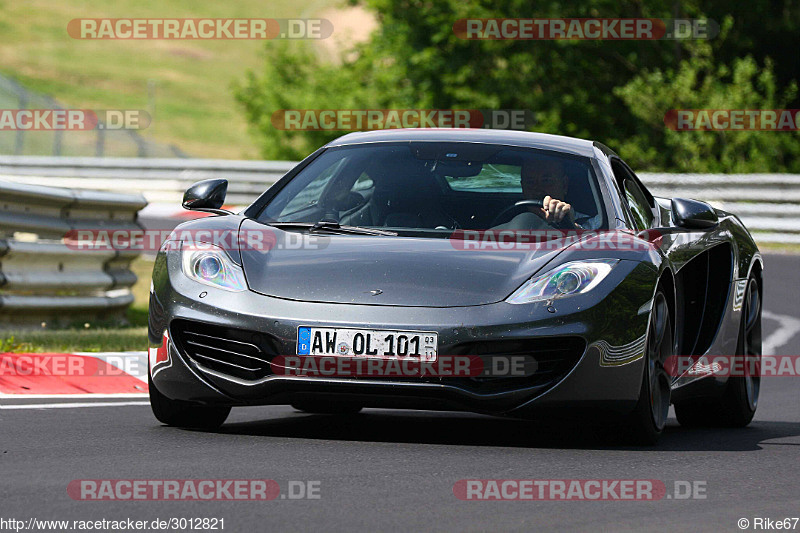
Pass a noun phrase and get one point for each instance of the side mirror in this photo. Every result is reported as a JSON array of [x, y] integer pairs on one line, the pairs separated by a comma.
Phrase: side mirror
[[692, 214], [206, 195]]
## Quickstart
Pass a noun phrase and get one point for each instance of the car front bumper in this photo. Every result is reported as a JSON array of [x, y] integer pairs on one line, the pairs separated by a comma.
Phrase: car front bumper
[[611, 320]]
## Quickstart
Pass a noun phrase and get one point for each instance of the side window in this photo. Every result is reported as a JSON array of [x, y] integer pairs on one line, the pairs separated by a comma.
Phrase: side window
[[640, 208], [636, 198]]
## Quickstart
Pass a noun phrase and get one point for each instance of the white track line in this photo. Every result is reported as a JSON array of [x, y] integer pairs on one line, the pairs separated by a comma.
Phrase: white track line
[[789, 327], [76, 396], [70, 405]]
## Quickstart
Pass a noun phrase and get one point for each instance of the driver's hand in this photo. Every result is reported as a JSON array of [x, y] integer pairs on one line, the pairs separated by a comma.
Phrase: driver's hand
[[555, 210]]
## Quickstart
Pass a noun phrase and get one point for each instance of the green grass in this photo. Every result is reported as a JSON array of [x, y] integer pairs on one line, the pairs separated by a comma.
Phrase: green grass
[[194, 105], [778, 248], [77, 340]]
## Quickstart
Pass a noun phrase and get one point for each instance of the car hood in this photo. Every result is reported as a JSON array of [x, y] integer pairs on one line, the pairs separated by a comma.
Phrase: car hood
[[380, 270]]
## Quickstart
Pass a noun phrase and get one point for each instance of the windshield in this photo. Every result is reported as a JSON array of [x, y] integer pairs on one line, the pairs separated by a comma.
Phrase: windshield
[[435, 188]]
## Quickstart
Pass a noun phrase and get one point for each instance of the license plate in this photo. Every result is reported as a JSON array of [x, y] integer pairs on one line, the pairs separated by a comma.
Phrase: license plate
[[377, 343]]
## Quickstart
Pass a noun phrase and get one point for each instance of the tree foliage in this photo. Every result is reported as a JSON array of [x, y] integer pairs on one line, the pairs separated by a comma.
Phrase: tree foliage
[[613, 91]]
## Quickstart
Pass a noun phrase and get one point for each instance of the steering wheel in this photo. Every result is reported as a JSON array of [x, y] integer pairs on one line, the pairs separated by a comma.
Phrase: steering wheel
[[563, 224]]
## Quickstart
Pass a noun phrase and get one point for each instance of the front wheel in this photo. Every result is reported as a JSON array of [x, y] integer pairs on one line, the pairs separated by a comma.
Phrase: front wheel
[[185, 414], [646, 423]]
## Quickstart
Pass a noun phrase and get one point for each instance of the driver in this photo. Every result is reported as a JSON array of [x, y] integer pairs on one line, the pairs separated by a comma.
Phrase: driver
[[544, 180]]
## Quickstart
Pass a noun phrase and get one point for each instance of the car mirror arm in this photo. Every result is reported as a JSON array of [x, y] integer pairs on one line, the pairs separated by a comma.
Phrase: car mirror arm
[[680, 229]]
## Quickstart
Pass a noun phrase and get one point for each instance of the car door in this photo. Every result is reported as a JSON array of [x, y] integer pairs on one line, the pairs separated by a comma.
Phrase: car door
[[701, 262]]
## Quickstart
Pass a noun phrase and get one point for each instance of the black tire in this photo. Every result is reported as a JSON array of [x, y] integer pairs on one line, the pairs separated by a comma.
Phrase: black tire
[[646, 423], [738, 403], [327, 408], [185, 414]]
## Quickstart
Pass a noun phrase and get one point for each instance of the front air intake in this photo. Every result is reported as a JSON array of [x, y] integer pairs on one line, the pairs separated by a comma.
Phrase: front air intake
[[234, 352]]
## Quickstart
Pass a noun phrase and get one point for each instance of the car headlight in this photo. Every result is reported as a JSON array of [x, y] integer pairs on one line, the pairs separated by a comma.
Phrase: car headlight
[[210, 265], [569, 279]]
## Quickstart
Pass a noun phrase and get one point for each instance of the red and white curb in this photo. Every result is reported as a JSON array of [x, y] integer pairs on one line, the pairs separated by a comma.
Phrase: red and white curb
[[73, 375]]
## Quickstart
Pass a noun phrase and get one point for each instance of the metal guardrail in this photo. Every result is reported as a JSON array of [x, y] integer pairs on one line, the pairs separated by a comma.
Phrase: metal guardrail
[[41, 276], [769, 204], [160, 180]]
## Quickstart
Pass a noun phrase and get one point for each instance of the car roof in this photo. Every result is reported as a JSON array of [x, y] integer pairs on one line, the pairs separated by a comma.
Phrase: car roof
[[526, 139]]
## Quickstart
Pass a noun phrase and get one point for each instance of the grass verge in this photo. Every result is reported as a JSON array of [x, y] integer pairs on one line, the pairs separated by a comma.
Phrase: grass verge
[[779, 248], [76, 340], [184, 84]]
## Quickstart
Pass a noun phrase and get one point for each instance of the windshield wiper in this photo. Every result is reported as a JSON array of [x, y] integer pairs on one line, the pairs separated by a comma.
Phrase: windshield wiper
[[329, 226]]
